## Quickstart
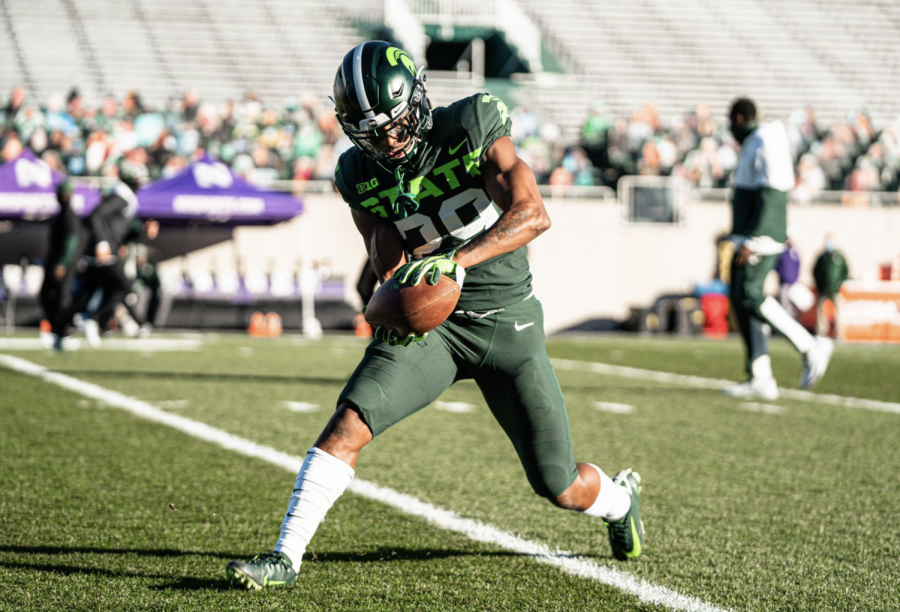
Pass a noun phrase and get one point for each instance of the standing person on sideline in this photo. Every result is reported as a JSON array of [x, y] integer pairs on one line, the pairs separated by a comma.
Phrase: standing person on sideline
[[66, 242], [788, 270], [764, 175], [108, 226], [450, 197], [830, 272]]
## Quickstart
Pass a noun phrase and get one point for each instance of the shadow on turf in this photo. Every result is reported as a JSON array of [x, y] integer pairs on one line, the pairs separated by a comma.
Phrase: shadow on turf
[[380, 554], [339, 380], [159, 552], [186, 584], [212, 377], [398, 554], [197, 584], [604, 388]]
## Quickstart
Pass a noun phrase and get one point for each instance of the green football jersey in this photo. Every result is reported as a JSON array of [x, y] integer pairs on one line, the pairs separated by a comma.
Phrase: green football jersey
[[451, 205]]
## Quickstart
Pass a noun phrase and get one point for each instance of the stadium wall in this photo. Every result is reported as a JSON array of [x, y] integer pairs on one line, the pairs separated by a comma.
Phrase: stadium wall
[[591, 264]]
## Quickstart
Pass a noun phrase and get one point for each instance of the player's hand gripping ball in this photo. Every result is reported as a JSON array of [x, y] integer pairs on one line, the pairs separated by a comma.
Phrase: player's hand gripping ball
[[404, 309]]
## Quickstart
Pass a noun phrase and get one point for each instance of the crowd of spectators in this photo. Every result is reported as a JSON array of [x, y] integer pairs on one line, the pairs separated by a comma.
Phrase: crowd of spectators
[[301, 140], [298, 140], [849, 155]]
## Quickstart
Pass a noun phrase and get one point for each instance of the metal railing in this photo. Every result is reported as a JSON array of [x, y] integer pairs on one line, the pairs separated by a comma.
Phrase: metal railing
[[860, 199], [864, 199]]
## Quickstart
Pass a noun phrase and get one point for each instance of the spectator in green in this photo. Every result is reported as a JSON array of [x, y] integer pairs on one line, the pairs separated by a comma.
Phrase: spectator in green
[[830, 272]]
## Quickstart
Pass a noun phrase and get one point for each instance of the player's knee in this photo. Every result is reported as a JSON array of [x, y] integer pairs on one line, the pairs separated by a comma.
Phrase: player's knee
[[347, 428], [751, 303], [551, 482]]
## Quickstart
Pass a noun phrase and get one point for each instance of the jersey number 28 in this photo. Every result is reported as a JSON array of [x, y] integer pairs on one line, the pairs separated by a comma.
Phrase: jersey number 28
[[464, 216]]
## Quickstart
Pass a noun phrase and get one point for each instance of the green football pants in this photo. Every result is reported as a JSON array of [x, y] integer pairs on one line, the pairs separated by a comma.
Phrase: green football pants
[[506, 356], [746, 297]]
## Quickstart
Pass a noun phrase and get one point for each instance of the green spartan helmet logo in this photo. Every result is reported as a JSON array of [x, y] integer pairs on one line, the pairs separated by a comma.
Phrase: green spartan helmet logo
[[393, 53]]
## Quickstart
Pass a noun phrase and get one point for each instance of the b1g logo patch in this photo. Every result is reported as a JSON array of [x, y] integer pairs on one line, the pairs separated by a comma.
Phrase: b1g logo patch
[[366, 186]]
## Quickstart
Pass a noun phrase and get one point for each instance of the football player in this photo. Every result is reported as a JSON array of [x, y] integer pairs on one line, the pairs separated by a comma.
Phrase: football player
[[764, 175], [66, 241], [107, 227], [442, 191]]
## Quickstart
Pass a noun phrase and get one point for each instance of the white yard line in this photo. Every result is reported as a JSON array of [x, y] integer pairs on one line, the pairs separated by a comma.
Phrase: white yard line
[[454, 407], [764, 408], [684, 380], [475, 530], [614, 408], [300, 406]]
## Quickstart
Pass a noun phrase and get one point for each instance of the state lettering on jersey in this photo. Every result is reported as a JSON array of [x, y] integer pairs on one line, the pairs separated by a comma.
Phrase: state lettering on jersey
[[449, 175]]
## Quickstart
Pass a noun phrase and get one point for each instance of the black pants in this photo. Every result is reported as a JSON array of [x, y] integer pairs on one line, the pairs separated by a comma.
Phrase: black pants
[[114, 284], [56, 297], [153, 304]]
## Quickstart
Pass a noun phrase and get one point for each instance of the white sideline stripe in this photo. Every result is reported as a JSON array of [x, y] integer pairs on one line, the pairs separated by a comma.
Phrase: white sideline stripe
[[472, 529], [716, 383]]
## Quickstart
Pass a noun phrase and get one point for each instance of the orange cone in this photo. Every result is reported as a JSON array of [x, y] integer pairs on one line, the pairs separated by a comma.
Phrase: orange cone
[[257, 325], [273, 325], [361, 327]]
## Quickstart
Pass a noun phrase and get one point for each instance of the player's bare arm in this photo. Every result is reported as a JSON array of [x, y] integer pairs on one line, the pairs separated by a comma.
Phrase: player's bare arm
[[510, 183], [743, 256], [383, 243]]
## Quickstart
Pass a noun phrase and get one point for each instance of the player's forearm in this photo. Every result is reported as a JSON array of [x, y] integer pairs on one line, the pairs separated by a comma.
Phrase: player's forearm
[[524, 219], [385, 252]]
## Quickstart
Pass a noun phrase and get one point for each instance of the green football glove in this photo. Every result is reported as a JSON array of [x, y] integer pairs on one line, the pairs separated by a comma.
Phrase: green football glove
[[391, 337], [431, 268]]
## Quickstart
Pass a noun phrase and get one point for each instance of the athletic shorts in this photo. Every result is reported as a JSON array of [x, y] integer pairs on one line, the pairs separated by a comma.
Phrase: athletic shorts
[[504, 353]]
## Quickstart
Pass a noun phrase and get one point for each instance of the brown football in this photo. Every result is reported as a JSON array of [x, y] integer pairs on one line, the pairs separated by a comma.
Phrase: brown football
[[412, 309]]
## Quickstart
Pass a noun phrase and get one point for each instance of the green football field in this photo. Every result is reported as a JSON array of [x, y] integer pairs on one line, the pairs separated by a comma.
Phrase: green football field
[[132, 474]]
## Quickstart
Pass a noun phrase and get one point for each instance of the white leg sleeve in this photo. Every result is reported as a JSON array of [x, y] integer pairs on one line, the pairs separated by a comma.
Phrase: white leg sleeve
[[761, 368], [786, 325], [613, 502], [322, 479]]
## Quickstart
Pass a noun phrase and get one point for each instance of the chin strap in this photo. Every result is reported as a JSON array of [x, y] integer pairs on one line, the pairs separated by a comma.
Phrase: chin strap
[[404, 203]]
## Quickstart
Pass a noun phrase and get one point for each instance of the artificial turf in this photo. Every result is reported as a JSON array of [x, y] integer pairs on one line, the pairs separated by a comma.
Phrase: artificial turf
[[795, 509]]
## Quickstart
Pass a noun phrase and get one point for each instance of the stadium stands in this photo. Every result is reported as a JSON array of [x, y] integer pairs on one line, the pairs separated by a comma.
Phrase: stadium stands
[[831, 55], [627, 61], [786, 54]]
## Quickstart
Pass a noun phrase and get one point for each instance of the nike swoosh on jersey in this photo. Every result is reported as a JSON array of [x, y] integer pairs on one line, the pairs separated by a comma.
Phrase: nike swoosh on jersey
[[521, 327], [456, 148]]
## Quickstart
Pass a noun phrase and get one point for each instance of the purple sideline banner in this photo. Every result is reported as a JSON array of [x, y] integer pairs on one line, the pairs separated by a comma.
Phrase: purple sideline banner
[[28, 190], [208, 190]]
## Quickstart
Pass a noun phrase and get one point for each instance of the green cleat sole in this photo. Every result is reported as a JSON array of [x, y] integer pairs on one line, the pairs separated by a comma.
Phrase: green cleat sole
[[239, 578]]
